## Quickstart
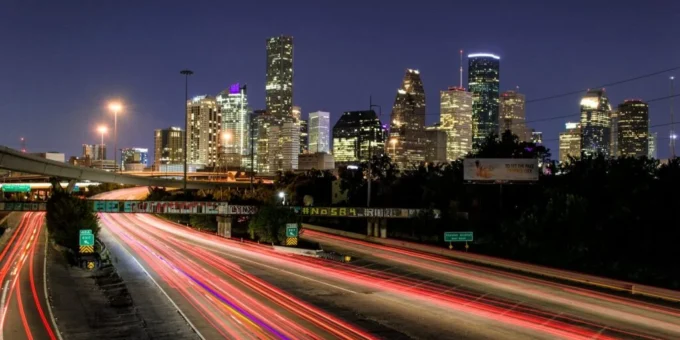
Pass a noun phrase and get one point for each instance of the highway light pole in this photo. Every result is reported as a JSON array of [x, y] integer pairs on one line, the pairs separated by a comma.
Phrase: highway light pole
[[115, 107], [186, 74]]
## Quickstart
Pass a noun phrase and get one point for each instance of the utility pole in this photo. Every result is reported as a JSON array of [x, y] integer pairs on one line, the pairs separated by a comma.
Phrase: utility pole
[[672, 136], [370, 150], [186, 73]]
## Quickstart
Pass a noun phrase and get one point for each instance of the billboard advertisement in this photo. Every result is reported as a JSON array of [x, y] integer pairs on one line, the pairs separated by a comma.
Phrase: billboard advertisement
[[500, 169]]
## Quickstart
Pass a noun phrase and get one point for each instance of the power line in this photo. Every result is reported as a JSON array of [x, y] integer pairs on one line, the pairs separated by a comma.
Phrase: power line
[[604, 85]]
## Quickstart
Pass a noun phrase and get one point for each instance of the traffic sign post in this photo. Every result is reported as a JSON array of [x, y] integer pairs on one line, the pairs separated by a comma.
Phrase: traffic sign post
[[86, 241], [291, 234], [459, 236]]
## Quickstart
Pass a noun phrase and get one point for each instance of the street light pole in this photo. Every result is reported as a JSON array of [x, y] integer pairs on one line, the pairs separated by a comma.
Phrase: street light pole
[[115, 107], [186, 73], [370, 150]]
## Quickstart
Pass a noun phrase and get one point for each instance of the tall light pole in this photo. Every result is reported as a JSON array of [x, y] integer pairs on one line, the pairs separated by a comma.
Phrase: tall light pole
[[370, 151], [672, 136], [102, 129], [115, 107], [186, 73]]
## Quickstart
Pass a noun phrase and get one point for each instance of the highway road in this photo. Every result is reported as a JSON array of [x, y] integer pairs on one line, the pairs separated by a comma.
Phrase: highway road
[[233, 289], [24, 313], [620, 316]]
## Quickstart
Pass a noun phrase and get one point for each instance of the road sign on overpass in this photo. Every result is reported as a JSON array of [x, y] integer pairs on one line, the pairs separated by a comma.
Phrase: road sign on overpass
[[224, 208], [458, 236]]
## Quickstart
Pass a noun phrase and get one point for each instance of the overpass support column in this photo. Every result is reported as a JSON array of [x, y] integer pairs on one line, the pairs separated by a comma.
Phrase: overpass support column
[[376, 227], [224, 226], [71, 185], [383, 228], [369, 227]]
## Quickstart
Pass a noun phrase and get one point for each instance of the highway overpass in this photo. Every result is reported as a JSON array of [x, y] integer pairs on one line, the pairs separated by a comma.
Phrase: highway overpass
[[14, 160]]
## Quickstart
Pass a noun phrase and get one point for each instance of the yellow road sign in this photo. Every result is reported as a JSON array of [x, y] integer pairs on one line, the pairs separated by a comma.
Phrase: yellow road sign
[[291, 241], [86, 249], [90, 265]]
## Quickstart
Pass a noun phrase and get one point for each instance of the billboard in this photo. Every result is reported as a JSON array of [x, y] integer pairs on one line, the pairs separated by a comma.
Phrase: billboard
[[500, 169], [366, 212]]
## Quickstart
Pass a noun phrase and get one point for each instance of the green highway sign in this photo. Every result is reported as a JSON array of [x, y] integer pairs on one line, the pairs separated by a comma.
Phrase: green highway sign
[[112, 206], [458, 236], [291, 230], [99, 206], [105, 206], [86, 238], [16, 187]]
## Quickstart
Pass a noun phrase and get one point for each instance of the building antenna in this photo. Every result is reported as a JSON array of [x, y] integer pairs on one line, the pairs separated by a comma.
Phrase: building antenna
[[672, 134], [460, 84]]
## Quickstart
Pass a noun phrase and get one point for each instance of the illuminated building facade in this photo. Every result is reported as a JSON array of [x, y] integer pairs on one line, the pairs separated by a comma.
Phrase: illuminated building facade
[[296, 112], [436, 144], [570, 142], [512, 114], [536, 137], [319, 131], [614, 134], [284, 146], [232, 104], [407, 125], [134, 158], [168, 147], [595, 123], [353, 133], [652, 145], [203, 131], [304, 136], [633, 128], [279, 86], [455, 112], [484, 84]]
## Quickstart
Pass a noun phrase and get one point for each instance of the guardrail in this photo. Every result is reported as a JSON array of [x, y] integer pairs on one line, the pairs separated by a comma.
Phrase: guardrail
[[623, 286]]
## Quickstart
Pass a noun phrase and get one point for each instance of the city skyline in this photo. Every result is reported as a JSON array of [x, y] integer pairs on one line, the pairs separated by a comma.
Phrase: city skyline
[[151, 93]]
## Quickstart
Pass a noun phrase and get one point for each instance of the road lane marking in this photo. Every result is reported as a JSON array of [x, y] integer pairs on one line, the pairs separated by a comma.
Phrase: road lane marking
[[47, 297]]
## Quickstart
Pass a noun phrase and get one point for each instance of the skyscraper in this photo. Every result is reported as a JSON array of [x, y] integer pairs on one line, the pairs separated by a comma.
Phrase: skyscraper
[[168, 147], [456, 121], [570, 142], [407, 125], [614, 134], [652, 145], [263, 123], [595, 123], [283, 146], [232, 104], [203, 130], [279, 87], [536, 137], [304, 136], [319, 131], [633, 128], [512, 115], [134, 158], [435, 152], [296, 112], [353, 133], [484, 83]]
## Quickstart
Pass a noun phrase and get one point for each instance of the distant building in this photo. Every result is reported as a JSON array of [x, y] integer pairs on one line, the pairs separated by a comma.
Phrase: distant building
[[88, 151], [633, 128], [352, 135], [456, 121], [319, 132], [595, 123], [614, 134], [570, 142], [652, 145], [279, 87], [304, 136], [232, 104], [318, 161], [53, 156], [407, 125], [484, 83], [436, 144], [284, 146], [297, 112], [203, 130], [96, 152], [512, 114], [537, 137], [134, 158], [168, 147]]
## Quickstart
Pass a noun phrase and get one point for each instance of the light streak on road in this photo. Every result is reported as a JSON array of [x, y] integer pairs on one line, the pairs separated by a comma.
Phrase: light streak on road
[[28, 307]]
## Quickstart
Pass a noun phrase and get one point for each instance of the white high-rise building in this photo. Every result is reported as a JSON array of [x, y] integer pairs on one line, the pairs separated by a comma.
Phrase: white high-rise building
[[512, 114], [456, 121], [232, 103], [203, 131], [319, 132]]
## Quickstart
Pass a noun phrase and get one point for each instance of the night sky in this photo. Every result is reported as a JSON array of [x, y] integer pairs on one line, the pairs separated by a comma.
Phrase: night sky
[[63, 60]]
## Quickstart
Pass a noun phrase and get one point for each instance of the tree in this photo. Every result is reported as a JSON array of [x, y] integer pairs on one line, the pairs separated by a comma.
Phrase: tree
[[66, 215], [269, 224]]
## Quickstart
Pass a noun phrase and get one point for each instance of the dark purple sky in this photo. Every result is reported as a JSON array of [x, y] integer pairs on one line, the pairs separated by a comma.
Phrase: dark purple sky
[[62, 60]]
